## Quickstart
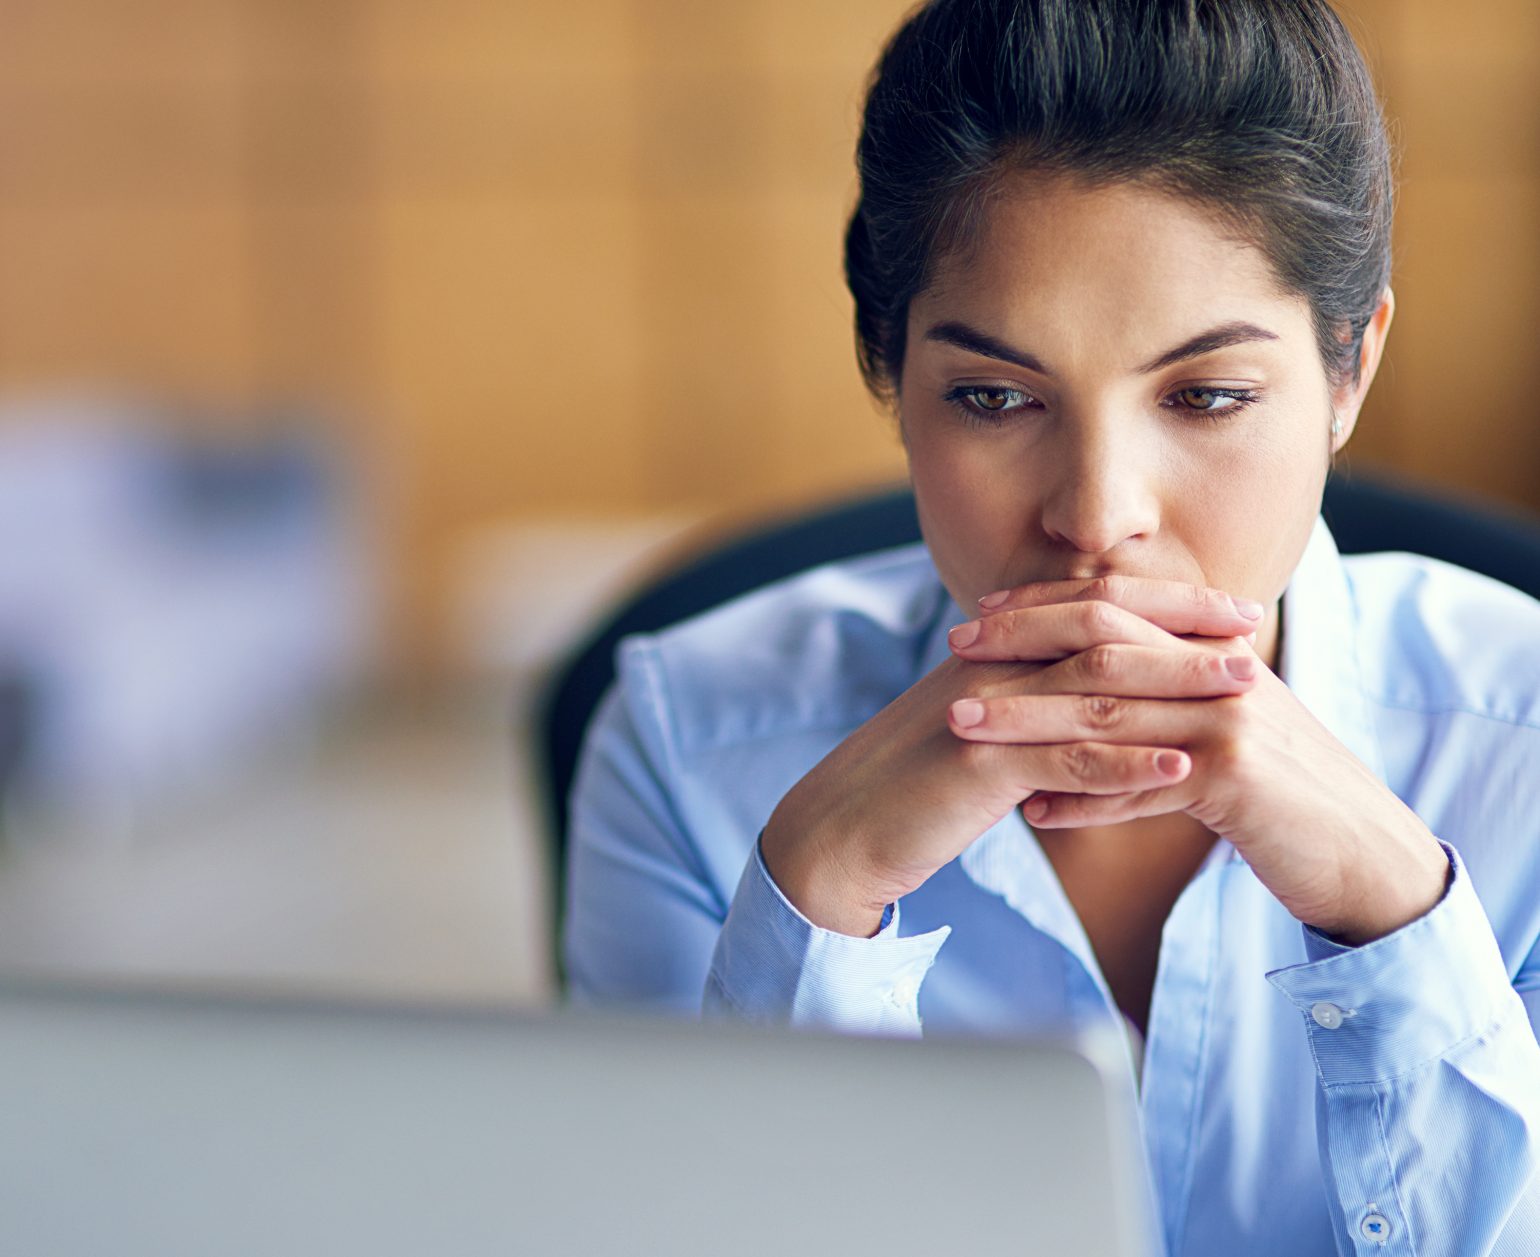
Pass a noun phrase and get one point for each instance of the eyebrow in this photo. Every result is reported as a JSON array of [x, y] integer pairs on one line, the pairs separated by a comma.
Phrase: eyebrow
[[1221, 337]]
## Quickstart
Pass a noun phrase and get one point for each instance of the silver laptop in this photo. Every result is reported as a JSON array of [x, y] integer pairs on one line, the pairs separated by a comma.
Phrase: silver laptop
[[156, 1124]]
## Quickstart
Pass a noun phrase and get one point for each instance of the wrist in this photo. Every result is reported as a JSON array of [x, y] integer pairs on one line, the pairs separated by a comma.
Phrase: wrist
[[820, 884], [1392, 895]]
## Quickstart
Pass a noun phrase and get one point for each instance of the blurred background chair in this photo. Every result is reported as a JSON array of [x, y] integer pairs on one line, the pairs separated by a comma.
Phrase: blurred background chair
[[1365, 515]]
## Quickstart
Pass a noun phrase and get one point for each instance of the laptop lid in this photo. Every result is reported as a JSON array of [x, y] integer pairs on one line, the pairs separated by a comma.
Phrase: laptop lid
[[161, 1123]]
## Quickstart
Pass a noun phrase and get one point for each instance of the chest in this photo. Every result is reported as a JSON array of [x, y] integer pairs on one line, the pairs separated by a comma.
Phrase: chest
[[1122, 883], [1222, 1043]]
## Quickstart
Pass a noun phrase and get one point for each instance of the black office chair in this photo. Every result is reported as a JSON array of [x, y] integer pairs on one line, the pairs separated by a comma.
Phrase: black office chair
[[1365, 515]]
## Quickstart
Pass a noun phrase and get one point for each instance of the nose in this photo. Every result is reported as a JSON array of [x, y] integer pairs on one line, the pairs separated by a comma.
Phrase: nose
[[1102, 487]]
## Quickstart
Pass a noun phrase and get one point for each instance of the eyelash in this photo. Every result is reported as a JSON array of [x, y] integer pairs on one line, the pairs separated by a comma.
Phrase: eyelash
[[1241, 398]]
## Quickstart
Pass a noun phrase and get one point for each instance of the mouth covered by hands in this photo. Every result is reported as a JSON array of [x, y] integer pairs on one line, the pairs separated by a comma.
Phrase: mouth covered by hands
[[1237, 750]]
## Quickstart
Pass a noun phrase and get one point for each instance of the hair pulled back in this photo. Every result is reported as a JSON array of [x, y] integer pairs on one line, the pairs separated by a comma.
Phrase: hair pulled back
[[1260, 110]]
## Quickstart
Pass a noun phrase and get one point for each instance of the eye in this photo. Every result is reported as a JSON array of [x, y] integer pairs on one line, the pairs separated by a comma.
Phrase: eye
[[986, 403], [1213, 402]]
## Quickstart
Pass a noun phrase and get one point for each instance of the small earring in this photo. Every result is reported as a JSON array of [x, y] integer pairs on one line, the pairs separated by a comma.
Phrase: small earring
[[1336, 426]]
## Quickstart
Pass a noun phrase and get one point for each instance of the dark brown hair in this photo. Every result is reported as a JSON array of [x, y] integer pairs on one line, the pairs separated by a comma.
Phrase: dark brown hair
[[1261, 110]]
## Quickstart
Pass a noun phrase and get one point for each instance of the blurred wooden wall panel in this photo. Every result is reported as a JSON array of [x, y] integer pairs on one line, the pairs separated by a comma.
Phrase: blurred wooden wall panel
[[124, 218], [1461, 85], [583, 256], [310, 156], [1464, 361], [477, 41], [64, 46], [707, 349], [830, 433], [511, 355], [126, 295]]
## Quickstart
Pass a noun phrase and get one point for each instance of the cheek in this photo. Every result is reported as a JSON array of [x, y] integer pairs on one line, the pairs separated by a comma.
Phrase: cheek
[[975, 504], [1249, 509], [963, 471]]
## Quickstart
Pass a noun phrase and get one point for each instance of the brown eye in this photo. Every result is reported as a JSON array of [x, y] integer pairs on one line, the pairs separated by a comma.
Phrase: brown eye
[[1203, 398], [1200, 403], [991, 404]]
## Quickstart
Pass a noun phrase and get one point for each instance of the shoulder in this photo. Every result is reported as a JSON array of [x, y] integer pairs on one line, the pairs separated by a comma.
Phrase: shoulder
[[827, 647], [1437, 638]]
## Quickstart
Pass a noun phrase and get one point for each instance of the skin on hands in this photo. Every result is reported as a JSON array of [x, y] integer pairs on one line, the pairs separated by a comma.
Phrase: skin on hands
[[1316, 826], [903, 795]]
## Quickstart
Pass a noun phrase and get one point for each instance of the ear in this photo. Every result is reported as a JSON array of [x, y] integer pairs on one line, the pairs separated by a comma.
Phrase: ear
[[1348, 400]]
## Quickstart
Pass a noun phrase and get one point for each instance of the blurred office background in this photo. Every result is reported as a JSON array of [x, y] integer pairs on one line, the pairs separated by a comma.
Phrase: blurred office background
[[355, 354]]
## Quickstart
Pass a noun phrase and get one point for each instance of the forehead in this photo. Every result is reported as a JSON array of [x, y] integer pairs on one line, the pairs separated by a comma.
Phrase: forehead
[[1133, 261]]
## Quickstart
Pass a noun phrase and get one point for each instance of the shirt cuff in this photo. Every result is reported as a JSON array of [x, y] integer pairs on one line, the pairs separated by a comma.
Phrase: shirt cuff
[[772, 964], [1389, 1006]]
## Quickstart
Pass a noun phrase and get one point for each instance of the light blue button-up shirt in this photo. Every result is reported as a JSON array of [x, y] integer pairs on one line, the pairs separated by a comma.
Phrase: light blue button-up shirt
[[1298, 1097]]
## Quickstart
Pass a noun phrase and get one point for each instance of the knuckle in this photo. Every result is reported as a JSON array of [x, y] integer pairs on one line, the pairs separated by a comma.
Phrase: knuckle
[[1081, 763], [1109, 589], [1099, 664], [1226, 759], [1101, 712], [1005, 626], [978, 758], [1229, 748], [1240, 718], [1202, 668], [1101, 619]]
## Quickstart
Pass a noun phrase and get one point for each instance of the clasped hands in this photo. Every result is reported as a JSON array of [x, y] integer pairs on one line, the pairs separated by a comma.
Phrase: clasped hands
[[1091, 703], [1147, 698]]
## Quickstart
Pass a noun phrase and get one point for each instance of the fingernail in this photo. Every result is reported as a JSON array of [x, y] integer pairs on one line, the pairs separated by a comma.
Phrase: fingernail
[[1035, 809], [1170, 763], [1251, 610], [994, 599], [1241, 667], [964, 634], [967, 712]]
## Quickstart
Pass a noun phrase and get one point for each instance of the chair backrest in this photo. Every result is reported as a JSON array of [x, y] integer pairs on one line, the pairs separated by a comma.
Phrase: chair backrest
[[1365, 515]]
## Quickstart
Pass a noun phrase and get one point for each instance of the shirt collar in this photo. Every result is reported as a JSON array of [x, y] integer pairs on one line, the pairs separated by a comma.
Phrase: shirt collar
[[1318, 657]]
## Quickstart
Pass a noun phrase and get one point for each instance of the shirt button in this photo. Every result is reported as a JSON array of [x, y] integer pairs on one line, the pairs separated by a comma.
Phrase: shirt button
[[1327, 1015], [1376, 1227], [905, 990]]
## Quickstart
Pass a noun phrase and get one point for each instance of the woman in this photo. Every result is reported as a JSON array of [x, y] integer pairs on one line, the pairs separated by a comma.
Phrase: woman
[[1126, 739]]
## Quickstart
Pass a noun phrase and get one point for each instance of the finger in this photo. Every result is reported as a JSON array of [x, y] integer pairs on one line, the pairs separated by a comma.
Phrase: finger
[[1149, 672], [1174, 605], [1094, 767], [1053, 632], [1047, 810], [1039, 719]]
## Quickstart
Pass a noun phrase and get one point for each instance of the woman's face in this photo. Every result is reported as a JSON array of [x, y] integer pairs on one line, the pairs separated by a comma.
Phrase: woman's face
[[1107, 381]]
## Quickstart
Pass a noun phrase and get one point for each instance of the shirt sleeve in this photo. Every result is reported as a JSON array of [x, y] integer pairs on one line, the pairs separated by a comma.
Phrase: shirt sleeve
[[1428, 1095], [771, 964], [642, 912], [646, 926]]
